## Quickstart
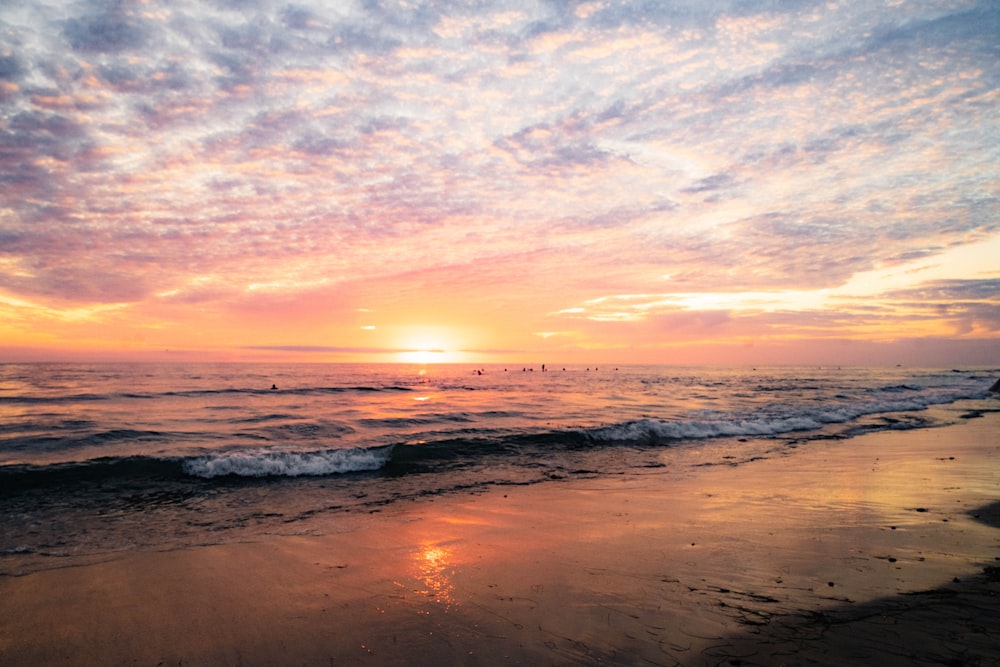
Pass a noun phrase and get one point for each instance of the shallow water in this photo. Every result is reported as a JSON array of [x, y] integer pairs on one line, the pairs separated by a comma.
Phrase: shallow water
[[96, 459]]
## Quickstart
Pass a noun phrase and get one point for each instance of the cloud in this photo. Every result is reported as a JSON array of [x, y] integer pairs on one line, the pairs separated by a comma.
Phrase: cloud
[[11, 68], [537, 156], [953, 290], [968, 306], [109, 31]]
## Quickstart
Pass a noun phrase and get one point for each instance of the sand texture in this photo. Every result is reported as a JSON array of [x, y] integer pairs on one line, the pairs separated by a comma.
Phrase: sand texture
[[881, 550]]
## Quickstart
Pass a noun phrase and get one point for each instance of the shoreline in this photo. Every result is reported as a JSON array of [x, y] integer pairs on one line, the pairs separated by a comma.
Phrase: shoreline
[[841, 551]]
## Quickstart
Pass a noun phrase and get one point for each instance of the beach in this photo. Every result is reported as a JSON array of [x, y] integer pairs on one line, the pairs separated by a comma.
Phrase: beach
[[877, 549]]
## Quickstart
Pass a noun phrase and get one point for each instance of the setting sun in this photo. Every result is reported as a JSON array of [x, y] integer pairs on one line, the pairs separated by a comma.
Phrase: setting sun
[[429, 345], [426, 356]]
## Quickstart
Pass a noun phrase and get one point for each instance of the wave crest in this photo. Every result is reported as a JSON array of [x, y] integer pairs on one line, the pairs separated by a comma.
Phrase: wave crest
[[651, 431], [270, 463]]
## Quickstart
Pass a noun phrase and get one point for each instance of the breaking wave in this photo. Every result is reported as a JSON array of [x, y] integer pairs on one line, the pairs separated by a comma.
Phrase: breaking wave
[[651, 431], [271, 463]]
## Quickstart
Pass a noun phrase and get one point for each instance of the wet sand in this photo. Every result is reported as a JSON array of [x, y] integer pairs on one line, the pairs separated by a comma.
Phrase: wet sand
[[877, 550]]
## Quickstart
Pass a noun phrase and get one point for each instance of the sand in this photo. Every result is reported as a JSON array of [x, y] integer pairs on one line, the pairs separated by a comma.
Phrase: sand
[[877, 550]]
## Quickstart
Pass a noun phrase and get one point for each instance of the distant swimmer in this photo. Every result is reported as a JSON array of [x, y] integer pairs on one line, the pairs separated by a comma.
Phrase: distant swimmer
[[274, 387]]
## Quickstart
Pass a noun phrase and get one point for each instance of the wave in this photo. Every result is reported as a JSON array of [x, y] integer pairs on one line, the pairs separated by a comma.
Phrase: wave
[[197, 393], [895, 389], [244, 463], [271, 463], [651, 431], [36, 440], [295, 391], [61, 398], [270, 417], [648, 431], [417, 420], [99, 471]]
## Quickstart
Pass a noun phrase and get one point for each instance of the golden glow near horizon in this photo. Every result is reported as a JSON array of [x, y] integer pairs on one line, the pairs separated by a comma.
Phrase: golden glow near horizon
[[432, 356], [628, 182], [978, 259], [429, 345]]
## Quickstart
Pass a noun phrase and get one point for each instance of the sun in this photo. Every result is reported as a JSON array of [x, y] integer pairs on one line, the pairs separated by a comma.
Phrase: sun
[[433, 356], [429, 345]]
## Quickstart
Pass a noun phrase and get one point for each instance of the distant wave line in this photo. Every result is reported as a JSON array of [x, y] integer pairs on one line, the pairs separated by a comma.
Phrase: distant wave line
[[70, 398], [324, 348]]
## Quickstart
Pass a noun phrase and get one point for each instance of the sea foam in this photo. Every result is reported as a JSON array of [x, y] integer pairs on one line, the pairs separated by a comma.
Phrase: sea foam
[[652, 431], [276, 463]]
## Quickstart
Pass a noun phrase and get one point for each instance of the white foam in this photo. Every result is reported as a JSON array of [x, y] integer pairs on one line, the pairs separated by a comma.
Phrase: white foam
[[267, 463], [646, 430]]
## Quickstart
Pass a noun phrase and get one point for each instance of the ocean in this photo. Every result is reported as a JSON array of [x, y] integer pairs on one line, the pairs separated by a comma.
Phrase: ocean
[[105, 458]]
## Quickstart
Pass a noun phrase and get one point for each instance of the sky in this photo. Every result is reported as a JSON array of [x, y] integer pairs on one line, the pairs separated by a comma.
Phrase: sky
[[685, 182]]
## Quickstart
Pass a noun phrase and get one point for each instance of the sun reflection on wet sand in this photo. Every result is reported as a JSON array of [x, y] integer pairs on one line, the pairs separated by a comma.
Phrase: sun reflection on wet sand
[[434, 565]]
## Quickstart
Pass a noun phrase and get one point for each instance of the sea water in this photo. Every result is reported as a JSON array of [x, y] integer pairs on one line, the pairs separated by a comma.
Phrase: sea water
[[96, 459]]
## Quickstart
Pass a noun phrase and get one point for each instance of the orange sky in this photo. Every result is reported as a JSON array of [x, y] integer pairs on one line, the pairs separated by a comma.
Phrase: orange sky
[[586, 182]]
